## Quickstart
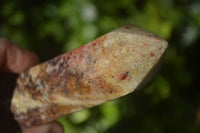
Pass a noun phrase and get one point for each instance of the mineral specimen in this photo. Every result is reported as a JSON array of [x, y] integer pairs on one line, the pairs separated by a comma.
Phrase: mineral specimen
[[109, 67]]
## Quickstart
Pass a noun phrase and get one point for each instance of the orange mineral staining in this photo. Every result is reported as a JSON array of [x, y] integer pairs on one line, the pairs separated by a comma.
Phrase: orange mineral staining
[[123, 76], [152, 54], [109, 67]]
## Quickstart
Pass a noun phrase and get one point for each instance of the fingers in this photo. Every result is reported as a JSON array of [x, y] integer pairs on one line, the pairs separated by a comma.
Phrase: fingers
[[15, 59], [54, 127]]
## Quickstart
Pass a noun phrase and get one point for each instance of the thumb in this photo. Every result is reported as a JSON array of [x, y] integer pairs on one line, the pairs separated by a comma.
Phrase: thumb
[[15, 59], [54, 127]]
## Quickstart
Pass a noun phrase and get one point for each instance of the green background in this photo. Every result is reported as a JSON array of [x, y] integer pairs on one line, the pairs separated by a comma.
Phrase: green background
[[170, 104]]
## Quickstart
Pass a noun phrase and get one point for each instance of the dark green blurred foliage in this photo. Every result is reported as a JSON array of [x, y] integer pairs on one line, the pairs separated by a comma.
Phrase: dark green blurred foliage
[[170, 104]]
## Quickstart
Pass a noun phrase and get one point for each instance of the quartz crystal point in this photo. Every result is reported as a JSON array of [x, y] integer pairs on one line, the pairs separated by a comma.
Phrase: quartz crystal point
[[109, 67]]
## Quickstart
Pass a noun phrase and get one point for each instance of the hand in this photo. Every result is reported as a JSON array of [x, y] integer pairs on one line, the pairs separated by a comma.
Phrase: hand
[[14, 59]]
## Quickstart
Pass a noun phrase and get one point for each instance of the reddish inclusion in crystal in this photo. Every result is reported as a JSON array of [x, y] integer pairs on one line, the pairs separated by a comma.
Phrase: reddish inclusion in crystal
[[152, 54], [123, 76]]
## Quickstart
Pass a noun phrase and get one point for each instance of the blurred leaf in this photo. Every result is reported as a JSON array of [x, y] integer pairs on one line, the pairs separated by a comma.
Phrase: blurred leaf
[[110, 116], [80, 116], [17, 18]]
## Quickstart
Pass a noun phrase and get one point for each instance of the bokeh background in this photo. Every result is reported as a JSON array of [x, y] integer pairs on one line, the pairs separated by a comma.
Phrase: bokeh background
[[170, 104]]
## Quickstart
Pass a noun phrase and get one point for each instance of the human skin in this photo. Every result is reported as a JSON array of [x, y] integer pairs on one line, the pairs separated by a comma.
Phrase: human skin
[[14, 59]]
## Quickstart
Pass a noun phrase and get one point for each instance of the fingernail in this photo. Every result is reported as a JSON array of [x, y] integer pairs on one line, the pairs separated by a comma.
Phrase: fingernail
[[55, 128]]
